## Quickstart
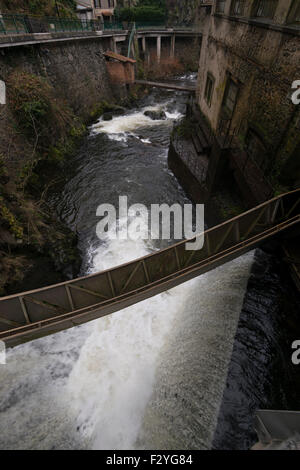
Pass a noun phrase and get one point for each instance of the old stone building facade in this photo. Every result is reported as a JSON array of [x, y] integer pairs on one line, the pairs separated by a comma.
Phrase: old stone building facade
[[250, 59], [96, 9]]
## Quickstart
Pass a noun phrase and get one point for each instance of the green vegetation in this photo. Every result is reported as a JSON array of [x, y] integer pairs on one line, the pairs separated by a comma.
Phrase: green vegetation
[[9, 220], [40, 115], [65, 8], [185, 129], [144, 11]]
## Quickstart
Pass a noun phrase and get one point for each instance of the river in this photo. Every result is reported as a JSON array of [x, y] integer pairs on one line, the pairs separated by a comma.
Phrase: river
[[157, 374]]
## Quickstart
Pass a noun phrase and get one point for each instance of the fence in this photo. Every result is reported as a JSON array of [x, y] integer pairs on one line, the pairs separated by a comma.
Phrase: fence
[[23, 24]]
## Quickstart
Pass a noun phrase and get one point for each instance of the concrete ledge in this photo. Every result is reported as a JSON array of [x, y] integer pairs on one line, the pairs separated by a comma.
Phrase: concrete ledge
[[45, 38], [280, 28], [18, 40]]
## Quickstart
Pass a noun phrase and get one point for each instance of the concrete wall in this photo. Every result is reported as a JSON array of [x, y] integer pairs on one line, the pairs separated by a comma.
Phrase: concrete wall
[[76, 70]]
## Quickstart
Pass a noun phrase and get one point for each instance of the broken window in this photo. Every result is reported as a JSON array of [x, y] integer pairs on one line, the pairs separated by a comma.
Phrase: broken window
[[265, 8], [294, 15], [231, 96], [220, 6], [238, 7], [209, 88]]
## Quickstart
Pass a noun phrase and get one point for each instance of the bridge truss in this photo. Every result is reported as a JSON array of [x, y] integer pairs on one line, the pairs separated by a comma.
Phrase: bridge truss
[[31, 315]]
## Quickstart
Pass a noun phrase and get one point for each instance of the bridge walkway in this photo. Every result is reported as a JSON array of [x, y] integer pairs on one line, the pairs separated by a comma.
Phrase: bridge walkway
[[30, 315], [169, 86]]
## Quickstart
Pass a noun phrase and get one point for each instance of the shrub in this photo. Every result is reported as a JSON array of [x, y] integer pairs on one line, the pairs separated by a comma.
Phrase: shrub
[[149, 13], [40, 7], [145, 13], [39, 114], [126, 14]]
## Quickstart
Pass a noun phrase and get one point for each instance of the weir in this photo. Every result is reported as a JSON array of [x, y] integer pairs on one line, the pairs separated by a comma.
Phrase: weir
[[30, 315], [168, 86]]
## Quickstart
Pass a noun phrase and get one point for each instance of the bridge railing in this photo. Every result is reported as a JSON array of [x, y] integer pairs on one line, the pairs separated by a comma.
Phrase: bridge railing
[[22, 24], [33, 314], [11, 24]]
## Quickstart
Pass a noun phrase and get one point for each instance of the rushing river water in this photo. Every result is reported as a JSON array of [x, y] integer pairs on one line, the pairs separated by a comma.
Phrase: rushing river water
[[154, 374]]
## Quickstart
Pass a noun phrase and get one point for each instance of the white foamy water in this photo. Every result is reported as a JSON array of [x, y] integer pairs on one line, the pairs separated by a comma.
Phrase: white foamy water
[[90, 387], [121, 127], [149, 376]]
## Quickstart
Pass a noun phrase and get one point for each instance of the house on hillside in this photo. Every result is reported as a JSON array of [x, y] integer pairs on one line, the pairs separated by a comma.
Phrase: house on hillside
[[96, 9]]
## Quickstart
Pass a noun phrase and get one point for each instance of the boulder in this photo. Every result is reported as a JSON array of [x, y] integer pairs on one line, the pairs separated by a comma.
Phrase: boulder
[[107, 116], [156, 115]]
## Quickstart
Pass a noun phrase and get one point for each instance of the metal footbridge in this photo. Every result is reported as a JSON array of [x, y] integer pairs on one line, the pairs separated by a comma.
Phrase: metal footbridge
[[31, 315]]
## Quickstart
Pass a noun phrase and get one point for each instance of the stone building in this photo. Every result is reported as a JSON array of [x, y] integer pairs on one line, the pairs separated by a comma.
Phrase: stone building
[[249, 61], [96, 9]]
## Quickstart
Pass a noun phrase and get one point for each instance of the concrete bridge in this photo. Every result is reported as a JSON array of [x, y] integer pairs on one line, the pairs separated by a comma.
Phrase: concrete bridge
[[31, 315], [164, 36]]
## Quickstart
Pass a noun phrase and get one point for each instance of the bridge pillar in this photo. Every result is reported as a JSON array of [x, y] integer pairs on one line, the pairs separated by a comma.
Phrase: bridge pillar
[[158, 48], [115, 45], [172, 49], [144, 44]]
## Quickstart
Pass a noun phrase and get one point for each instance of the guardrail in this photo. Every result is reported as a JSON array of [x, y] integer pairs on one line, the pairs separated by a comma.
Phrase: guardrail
[[31, 315], [11, 24], [23, 24]]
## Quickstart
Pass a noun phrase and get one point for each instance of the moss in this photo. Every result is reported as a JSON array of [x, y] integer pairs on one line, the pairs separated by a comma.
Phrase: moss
[[101, 108], [184, 129], [9, 220], [40, 7]]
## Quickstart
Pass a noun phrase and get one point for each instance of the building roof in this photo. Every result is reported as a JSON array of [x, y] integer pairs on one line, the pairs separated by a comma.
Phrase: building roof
[[121, 58], [106, 12]]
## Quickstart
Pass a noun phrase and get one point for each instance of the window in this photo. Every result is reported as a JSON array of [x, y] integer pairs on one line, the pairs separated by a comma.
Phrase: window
[[220, 8], [97, 3], [265, 8], [237, 7], [230, 96], [294, 15], [209, 89]]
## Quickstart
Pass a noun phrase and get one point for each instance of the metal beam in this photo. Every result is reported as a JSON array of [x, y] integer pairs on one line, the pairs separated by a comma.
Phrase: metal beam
[[138, 280]]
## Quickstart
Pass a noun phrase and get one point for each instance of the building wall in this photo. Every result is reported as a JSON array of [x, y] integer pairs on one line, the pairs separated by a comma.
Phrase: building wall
[[262, 57], [120, 72]]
